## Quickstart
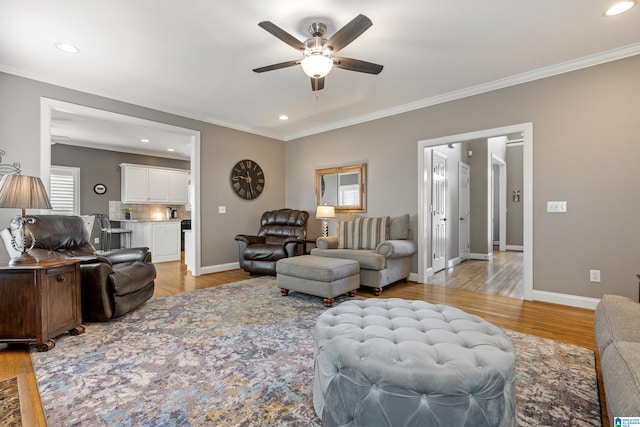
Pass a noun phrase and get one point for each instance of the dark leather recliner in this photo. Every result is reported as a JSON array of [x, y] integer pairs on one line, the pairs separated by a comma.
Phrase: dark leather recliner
[[112, 283], [279, 234]]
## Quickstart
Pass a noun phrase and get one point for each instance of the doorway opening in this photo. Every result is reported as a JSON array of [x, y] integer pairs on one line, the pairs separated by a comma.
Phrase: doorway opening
[[47, 108], [480, 221]]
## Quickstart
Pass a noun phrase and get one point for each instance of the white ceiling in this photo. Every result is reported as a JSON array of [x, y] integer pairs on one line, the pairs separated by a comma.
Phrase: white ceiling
[[195, 57]]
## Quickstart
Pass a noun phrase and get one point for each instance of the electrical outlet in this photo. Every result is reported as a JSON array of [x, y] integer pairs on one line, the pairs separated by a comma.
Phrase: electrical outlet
[[594, 276], [96, 240]]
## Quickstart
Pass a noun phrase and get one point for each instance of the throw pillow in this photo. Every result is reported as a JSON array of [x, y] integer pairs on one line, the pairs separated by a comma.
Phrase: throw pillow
[[369, 232], [345, 235], [399, 227]]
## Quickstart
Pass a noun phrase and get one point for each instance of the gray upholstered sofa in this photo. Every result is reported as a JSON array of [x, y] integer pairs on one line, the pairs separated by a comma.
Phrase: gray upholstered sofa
[[618, 339], [384, 263]]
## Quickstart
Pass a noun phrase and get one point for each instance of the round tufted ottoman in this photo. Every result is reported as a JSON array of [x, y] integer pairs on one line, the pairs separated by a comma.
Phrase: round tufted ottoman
[[393, 362]]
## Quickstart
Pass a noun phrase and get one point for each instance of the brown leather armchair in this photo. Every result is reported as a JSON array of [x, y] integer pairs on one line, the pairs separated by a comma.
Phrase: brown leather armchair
[[280, 231], [112, 283]]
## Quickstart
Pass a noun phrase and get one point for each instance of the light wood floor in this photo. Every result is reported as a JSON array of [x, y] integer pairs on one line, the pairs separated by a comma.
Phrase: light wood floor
[[458, 287], [504, 275]]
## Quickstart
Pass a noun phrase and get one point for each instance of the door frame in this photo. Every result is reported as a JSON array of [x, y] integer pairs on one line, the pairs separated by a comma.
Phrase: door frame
[[47, 105], [424, 223], [502, 201]]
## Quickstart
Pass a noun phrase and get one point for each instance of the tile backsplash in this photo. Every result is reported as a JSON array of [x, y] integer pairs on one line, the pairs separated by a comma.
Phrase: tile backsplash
[[144, 211]]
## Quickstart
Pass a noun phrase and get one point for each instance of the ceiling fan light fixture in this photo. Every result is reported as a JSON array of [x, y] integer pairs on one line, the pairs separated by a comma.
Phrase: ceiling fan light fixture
[[620, 7], [316, 65]]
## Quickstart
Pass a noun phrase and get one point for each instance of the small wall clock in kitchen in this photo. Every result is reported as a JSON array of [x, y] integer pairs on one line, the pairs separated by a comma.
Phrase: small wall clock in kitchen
[[247, 179]]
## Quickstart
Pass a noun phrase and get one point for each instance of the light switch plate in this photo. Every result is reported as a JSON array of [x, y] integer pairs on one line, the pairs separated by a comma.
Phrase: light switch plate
[[560, 206], [222, 209]]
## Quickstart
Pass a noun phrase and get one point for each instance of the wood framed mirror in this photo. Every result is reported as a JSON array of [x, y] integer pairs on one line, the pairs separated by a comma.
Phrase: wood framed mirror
[[343, 187]]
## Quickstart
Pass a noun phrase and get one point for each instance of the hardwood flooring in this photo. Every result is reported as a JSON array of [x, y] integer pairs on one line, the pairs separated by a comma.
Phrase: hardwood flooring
[[460, 287]]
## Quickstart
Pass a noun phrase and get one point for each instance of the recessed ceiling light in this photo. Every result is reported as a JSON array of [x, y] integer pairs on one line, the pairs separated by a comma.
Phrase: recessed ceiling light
[[68, 48], [171, 149], [620, 7], [283, 117], [144, 140]]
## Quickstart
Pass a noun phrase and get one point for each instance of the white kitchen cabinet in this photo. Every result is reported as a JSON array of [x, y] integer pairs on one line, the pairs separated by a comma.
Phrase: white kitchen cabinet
[[145, 184], [161, 237], [179, 187]]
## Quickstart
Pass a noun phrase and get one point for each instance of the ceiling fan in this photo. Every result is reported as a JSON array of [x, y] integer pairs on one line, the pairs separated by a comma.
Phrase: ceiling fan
[[317, 59]]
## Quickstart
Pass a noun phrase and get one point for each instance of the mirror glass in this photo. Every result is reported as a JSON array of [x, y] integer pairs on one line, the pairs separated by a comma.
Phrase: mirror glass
[[342, 187]]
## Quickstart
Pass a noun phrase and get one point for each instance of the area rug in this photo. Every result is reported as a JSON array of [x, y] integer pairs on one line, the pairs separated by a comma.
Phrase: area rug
[[10, 403], [241, 354]]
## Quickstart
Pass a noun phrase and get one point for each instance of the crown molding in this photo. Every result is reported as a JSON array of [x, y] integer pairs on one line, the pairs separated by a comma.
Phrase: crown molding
[[529, 76], [69, 84], [541, 73]]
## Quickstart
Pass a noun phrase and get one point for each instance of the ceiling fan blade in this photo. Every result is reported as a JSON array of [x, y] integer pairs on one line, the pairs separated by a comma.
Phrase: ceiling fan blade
[[357, 65], [349, 32], [276, 66], [278, 32], [317, 84]]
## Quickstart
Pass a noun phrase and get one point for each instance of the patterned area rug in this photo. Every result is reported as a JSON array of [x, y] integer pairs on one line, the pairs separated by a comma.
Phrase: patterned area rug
[[241, 354], [10, 403]]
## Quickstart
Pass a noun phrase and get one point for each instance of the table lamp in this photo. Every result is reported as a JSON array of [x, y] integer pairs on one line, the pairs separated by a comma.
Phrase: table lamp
[[324, 212], [23, 192]]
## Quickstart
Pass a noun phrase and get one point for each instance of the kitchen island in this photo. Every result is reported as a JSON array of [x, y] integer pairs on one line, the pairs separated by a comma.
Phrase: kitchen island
[[161, 236]]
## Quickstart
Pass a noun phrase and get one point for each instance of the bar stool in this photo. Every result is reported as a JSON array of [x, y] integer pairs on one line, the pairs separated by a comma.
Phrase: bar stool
[[108, 232]]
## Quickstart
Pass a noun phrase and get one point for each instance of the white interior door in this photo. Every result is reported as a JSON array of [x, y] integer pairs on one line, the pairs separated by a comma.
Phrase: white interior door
[[463, 204], [439, 204]]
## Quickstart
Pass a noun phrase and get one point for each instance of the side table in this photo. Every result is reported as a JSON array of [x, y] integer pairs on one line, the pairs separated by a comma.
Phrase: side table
[[40, 301], [304, 243]]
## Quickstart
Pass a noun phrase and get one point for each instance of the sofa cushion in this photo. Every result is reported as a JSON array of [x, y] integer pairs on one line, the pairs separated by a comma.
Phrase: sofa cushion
[[363, 233], [368, 259], [621, 376], [264, 252], [370, 232], [345, 235], [399, 227], [612, 321]]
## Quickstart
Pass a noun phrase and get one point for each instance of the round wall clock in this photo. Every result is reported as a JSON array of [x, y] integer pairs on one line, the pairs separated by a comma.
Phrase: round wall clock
[[247, 179], [99, 188]]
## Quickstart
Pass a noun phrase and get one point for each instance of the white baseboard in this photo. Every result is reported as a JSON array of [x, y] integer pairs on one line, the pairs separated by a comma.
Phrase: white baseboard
[[220, 267], [518, 248], [413, 277], [487, 257], [453, 262], [565, 299]]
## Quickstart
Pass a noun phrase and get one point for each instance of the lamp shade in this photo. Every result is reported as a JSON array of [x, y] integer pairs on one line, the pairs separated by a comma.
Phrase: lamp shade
[[23, 192], [316, 65], [325, 212]]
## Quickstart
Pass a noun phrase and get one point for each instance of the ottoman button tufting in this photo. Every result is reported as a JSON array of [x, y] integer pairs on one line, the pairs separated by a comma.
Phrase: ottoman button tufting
[[463, 375]]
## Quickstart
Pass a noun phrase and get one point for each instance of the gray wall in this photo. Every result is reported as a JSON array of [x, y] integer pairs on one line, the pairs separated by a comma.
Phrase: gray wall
[[221, 148], [102, 166], [585, 150]]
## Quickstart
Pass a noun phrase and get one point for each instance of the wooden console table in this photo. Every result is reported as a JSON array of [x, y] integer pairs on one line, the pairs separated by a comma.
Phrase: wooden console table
[[40, 301]]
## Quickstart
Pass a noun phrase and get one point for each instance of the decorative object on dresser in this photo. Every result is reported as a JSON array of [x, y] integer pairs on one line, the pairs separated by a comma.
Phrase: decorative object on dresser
[[247, 179], [323, 213], [40, 301], [22, 192], [279, 234], [113, 283]]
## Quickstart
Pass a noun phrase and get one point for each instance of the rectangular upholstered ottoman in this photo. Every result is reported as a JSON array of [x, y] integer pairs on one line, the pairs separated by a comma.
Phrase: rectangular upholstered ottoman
[[320, 276]]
